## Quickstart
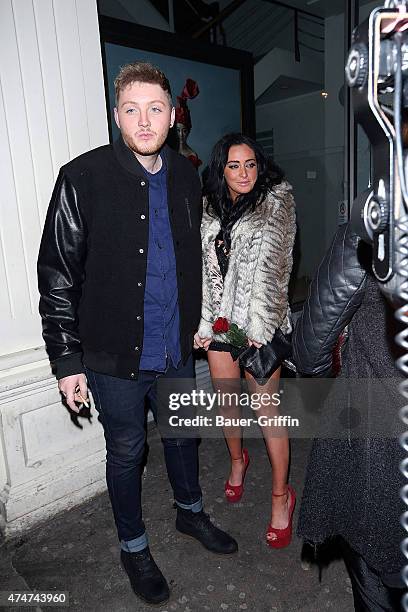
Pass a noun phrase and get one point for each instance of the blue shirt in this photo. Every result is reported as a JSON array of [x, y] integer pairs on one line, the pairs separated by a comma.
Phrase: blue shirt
[[161, 337]]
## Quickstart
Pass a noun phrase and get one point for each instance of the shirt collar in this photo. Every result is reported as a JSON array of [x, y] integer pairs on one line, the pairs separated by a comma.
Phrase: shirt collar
[[163, 169]]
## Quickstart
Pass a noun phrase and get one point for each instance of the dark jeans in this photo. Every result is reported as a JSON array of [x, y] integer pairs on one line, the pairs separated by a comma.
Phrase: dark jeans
[[370, 593], [121, 407]]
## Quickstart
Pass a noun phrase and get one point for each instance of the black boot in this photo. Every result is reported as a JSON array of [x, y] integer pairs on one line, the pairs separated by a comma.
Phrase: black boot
[[198, 526], [145, 577]]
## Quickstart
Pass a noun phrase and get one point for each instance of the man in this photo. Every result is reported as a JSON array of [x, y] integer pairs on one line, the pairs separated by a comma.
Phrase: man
[[120, 282]]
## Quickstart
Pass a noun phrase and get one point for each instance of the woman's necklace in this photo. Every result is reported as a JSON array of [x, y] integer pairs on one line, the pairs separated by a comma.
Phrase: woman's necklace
[[221, 245], [224, 249]]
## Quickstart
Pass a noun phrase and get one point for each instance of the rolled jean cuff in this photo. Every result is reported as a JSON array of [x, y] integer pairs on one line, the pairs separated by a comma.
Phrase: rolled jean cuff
[[135, 545], [195, 507]]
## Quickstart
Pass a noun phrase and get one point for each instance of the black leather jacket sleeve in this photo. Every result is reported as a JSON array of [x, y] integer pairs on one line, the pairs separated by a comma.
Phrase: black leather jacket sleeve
[[334, 296], [60, 275]]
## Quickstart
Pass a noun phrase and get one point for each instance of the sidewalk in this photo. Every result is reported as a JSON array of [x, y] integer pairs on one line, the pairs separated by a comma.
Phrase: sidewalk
[[78, 551]]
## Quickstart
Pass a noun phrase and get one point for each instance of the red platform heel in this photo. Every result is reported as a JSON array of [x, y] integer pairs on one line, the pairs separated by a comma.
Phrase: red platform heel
[[280, 538], [233, 493]]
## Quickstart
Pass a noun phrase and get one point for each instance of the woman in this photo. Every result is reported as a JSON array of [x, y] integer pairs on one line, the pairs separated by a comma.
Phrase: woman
[[248, 231], [353, 477]]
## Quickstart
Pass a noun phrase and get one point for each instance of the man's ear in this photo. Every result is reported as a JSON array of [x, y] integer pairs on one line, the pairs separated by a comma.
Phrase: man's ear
[[116, 115], [172, 116]]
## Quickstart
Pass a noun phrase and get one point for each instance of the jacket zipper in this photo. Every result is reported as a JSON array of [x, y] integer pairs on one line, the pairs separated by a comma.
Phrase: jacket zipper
[[188, 212]]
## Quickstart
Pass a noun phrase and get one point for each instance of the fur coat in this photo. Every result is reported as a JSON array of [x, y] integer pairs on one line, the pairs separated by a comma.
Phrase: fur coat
[[254, 294]]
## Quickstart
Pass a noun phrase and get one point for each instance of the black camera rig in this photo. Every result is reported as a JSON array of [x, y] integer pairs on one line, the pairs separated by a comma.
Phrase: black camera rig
[[377, 70], [377, 73]]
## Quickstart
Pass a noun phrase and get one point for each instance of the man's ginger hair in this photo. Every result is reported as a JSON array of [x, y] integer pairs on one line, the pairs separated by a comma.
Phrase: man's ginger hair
[[141, 72]]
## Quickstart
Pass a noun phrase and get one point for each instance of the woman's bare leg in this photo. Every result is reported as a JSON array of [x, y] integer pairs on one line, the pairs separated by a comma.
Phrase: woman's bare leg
[[277, 445], [226, 378]]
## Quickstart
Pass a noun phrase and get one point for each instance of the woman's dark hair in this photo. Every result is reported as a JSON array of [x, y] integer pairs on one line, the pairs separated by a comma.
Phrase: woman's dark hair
[[216, 189]]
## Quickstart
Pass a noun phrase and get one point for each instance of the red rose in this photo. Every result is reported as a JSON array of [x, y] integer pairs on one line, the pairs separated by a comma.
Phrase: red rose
[[226, 325], [221, 325]]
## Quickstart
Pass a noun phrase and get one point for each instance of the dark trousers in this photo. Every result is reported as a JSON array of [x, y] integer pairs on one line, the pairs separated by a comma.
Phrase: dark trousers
[[121, 407], [370, 592]]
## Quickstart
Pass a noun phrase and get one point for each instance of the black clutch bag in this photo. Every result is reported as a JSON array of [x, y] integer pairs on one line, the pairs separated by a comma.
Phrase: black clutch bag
[[262, 362]]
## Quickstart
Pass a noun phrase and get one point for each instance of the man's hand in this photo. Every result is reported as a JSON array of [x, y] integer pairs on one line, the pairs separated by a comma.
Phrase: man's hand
[[201, 342], [254, 342], [74, 389]]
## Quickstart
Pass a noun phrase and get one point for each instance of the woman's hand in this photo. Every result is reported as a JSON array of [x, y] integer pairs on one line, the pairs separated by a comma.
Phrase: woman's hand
[[203, 343], [254, 342]]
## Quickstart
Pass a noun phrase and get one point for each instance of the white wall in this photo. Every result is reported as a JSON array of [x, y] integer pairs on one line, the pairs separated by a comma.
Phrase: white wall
[[334, 121], [281, 62], [309, 135], [363, 145], [298, 132], [52, 108], [3, 471]]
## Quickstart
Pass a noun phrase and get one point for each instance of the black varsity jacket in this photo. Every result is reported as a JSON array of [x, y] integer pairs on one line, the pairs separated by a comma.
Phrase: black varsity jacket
[[93, 257]]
